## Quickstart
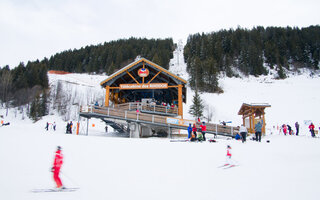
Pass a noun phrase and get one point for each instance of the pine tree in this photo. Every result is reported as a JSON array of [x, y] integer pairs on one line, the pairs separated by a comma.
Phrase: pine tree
[[197, 107]]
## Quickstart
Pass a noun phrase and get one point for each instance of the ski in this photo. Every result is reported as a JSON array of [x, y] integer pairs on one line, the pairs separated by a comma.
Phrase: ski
[[179, 140], [230, 166], [54, 190], [225, 165]]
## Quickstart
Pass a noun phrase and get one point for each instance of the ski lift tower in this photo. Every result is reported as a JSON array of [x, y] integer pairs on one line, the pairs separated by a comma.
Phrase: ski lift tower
[[252, 114]]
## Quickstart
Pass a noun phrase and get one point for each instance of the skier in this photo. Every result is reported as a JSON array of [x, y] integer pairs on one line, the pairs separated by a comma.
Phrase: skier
[[297, 128], [67, 128], [47, 126], [289, 129], [243, 131], [58, 160], [284, 127], [71, 125], [189, 131], [228, 156], [54, 126], [311, 128], [194, 129], [203, 130]]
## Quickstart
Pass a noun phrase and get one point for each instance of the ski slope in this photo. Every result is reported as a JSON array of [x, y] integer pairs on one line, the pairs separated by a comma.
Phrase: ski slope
[[106, 167]]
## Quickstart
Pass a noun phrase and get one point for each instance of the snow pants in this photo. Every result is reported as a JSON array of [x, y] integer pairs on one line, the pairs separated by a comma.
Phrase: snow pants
[[57, 178], [243, 136], [258, 136], [204, 135]]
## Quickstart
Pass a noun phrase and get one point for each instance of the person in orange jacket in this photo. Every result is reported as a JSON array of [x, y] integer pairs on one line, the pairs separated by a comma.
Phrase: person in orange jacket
[[58, 161]]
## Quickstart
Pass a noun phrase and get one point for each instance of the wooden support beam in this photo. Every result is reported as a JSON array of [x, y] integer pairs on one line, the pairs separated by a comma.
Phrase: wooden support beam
[[106, 102], [132, 77], [180, 104], [154, 76]]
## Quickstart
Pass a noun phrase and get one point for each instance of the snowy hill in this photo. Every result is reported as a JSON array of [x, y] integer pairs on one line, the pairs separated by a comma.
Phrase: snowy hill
[[154, 168]]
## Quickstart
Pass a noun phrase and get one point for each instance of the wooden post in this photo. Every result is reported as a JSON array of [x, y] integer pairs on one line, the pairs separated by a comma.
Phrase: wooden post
[[106, 103], [264, 124], [180, 108]]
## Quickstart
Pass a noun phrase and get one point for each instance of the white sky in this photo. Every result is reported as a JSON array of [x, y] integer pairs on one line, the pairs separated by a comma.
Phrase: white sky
[[34, 29]]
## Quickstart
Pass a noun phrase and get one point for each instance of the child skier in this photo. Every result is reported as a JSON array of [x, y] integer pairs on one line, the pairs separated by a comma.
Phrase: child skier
[[228, 157], [58, 160]]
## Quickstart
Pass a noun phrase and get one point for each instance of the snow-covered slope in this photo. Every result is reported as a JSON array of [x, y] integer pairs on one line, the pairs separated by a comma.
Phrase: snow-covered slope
[[154, 168]]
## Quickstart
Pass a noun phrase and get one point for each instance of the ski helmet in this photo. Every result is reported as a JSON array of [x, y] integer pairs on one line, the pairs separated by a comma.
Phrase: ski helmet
[[58, 147], [228, 146]]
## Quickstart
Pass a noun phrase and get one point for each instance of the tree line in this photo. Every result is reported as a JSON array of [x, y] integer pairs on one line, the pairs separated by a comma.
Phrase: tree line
[[111, 56], [250, 52], [28, 84]]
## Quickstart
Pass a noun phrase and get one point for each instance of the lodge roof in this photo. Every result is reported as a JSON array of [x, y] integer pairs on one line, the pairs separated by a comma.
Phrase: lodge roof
[[256, 106], [130, 67]]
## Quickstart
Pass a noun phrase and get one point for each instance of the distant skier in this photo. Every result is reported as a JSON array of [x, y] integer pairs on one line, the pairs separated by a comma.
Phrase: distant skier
[[289, 129], [47, 126], [58, 160], [284, 128], [311, 128], [297, 128], [54, 126]]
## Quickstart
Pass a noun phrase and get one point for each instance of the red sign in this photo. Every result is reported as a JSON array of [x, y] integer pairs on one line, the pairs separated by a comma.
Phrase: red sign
[[143, 72]]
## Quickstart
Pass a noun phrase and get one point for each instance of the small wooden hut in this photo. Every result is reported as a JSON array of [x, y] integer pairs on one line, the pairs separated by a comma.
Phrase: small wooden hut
[[252, 113]]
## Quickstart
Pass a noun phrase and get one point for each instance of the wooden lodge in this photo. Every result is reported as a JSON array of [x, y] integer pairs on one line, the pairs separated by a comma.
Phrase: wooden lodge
[[146, 82]]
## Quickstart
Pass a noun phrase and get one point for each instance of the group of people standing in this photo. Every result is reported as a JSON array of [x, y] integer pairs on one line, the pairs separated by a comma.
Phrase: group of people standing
[[69, 127], [287, 129], [53, 125], [192, 132]]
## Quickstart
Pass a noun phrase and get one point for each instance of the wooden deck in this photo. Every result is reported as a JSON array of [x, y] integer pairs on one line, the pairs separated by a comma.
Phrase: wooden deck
[[123, 113]]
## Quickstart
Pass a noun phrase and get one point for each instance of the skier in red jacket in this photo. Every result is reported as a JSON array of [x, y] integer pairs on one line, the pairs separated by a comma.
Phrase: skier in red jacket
[[58, 160]]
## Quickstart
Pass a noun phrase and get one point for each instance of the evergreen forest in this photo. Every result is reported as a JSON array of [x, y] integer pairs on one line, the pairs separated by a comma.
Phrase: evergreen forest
[[250, 52]]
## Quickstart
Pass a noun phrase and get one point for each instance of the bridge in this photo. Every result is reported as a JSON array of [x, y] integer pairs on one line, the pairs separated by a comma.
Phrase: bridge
[[149, 118]]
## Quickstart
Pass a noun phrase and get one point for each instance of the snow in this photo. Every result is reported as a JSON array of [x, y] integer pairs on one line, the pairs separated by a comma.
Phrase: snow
[[107, 167]]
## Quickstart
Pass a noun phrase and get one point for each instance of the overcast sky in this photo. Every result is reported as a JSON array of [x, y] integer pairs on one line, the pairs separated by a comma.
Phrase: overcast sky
[[34, 29]]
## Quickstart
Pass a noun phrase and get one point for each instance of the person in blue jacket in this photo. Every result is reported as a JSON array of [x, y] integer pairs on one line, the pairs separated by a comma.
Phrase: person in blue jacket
[[189, 131], [258, 130]]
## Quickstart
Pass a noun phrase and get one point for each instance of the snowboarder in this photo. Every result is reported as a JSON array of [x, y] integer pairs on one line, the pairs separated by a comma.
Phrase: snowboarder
[[297, 128], [243, 132], [311, 128], [258, 129], [203, 130], [58, 160], [189, 131]]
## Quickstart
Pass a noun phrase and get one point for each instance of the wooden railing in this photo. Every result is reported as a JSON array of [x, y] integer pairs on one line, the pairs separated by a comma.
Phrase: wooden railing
[[132, 115], [148, 107]]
